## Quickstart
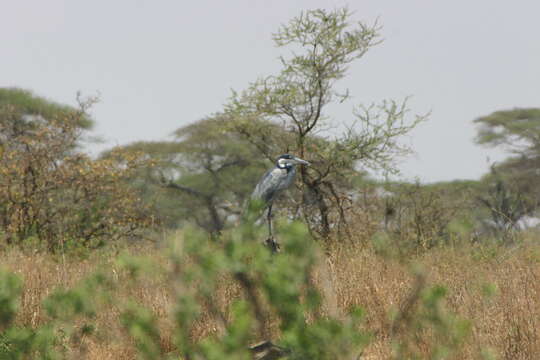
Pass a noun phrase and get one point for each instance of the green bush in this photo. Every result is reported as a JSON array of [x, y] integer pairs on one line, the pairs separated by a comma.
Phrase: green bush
[[277, 303]]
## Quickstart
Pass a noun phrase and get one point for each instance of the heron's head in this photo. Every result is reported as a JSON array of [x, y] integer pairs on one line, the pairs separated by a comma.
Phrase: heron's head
[[287, 160]]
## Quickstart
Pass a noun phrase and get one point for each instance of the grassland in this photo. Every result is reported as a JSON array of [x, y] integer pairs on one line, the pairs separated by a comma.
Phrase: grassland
[[496, 289]]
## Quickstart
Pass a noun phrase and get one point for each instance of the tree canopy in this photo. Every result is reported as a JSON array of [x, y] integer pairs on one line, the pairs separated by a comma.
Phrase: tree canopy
[[518, 130], [203, 174], [322, 46], [27, 106], [512, 191], [49, 190]]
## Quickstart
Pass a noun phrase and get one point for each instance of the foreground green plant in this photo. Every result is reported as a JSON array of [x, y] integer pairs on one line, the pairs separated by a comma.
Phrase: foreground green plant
[[272, 298], [273, 287], [71, 314]]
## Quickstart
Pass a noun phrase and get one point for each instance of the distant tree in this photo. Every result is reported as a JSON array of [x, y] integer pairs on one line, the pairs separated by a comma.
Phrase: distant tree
[[507, 205], [203, 175], [49, 190], [21, 112], [323, 45], [165, 206], [517, 130], [513, 183]]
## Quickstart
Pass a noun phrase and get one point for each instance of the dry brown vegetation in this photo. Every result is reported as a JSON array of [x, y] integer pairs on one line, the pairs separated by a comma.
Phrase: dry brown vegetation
[[496, 288]]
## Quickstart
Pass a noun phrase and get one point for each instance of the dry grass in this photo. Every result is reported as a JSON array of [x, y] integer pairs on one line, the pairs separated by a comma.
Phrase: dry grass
[[504, 323]]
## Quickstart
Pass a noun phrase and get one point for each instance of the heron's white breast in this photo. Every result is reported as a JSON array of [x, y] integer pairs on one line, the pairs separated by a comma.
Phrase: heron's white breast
[[277, 172]]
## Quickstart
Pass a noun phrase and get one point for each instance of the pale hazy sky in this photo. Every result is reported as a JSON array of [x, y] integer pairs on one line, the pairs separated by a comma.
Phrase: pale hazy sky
[[162, 64]]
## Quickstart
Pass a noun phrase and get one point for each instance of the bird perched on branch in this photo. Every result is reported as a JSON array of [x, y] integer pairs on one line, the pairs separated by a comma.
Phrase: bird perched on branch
[[272, 184]]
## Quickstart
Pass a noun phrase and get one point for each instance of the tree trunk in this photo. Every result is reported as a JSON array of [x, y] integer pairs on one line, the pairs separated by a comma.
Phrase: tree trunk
[[216, 224], [324, 210]]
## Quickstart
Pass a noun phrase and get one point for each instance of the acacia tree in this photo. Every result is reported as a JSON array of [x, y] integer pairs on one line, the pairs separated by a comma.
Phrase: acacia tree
[[517, 131], [323, 44], [203, 174], [512, 192], [22, 114], [51, 191]]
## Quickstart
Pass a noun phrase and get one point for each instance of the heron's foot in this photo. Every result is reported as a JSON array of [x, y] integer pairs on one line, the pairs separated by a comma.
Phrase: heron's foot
[[272, 245]]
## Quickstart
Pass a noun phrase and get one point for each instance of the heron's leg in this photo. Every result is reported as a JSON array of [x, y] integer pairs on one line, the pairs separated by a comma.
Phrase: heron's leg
[[269, 218], [271, 242]]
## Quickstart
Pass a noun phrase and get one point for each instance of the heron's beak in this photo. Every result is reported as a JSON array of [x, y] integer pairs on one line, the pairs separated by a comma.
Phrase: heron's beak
[[302, 162]]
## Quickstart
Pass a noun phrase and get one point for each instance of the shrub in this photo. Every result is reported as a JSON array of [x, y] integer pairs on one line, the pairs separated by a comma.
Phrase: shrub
[[50, 191]]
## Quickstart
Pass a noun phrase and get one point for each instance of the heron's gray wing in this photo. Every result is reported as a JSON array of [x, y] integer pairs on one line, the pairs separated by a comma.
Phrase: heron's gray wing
[[270, 184]]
